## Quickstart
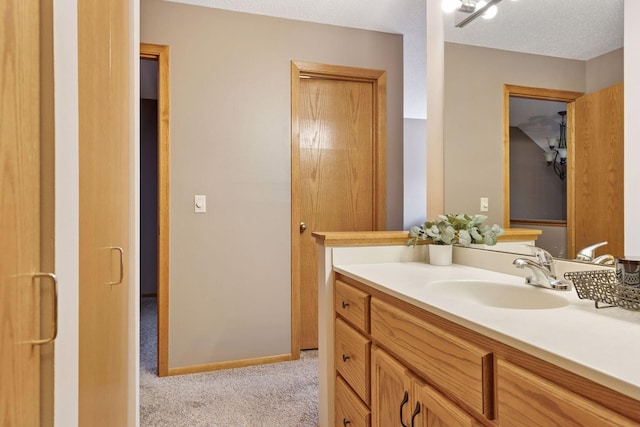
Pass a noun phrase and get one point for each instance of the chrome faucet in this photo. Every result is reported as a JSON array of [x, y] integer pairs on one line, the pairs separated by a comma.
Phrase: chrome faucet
[[588, 254], [543, 272]]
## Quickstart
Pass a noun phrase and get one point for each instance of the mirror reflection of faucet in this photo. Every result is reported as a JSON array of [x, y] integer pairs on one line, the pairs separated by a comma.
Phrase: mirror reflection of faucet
[[543, 272], [588, 254]]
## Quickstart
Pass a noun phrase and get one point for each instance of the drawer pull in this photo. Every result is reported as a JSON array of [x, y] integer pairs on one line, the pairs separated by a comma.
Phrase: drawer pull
[[415, 413], [345, 358], [345, 304], [404, 401], [345, 422]]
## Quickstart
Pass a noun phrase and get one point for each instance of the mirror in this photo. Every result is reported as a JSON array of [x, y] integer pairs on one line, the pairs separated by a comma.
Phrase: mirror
[[520, 46]]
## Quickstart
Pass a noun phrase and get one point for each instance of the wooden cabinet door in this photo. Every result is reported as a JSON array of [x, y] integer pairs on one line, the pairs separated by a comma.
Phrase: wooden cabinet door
[[435, 410], [526, 399], [19, 213], [103, 75], [390, 391]]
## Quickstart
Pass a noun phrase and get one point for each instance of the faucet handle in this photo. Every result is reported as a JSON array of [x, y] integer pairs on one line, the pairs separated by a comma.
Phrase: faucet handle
[[543, 257], [588, 253]]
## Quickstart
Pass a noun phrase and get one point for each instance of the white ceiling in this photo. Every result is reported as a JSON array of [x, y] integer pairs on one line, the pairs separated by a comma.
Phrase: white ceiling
[[576, 29]]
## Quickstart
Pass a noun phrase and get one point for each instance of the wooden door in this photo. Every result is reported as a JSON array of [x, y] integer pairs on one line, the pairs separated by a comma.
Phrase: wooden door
[[337, 170], [103, 74], [599, 170], [19, 213], [390, 391]]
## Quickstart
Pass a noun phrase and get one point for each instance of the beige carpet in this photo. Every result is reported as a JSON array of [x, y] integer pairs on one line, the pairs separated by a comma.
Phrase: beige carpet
[[275, 395]]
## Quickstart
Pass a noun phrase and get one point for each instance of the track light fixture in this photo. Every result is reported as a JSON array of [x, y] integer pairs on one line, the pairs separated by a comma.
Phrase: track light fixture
[[468, 10]]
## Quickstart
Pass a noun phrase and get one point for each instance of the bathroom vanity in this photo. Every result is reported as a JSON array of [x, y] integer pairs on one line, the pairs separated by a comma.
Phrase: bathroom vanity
[[406, 343]]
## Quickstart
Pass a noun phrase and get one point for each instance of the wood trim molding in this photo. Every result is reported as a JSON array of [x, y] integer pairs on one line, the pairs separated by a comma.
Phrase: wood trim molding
[[208, 367], [295, 212], [547, 95], [540, 222], [161, 54], [571, 180], [541, 93], [395, 238], [379, 79]]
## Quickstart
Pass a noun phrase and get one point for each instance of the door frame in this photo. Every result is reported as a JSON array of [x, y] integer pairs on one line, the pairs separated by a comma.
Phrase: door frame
[[300, 69], [160, 53], [545, 95]]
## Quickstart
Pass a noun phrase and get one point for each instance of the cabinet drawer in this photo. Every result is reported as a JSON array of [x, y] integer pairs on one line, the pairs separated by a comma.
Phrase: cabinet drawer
[[450, 363], [350, 411], [353, 305], [526, 399], [352, 358]]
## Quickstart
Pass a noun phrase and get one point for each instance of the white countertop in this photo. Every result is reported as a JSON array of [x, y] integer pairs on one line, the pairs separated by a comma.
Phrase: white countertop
[[600, 344]]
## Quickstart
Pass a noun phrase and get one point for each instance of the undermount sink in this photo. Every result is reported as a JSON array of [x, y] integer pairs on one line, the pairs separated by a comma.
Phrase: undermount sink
[[501, 295]]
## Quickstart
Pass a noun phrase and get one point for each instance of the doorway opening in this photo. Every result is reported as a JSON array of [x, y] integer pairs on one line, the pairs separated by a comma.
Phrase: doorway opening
[[537, 170], [549, 200], [154, 203]]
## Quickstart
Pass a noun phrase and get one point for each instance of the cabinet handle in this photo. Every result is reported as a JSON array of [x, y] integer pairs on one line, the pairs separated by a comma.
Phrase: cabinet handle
[[54, 309], [415, 413], [345, 422], [404, 401], [121, 253], [345, 304], [345, 357]]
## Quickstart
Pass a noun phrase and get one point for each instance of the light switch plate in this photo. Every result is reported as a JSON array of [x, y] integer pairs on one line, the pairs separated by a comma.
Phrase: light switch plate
[[484, 204], [199, 203]]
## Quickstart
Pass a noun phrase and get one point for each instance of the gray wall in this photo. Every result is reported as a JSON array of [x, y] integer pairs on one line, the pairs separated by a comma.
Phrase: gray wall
[[415, 173], [536, 191], [230, 285], [605, 70], [474, 79]]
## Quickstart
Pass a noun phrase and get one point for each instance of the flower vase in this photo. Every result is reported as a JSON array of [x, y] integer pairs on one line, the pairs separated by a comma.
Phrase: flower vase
[[440, 254]]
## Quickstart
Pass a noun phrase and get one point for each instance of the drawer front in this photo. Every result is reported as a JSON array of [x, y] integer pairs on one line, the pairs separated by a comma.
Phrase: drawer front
[[353, 305], [526, 399], [350, 411], [352, 358], [450, 363]]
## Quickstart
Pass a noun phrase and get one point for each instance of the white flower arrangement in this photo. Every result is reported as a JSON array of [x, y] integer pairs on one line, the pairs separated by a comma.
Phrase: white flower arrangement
[[459, 229]]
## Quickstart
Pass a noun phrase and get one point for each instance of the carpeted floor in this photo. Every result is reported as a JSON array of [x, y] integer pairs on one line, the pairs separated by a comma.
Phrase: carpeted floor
[[274, 395]]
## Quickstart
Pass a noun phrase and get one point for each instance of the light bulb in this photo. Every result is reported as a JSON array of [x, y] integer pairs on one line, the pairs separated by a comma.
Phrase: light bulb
[[549, 156], [563, 153], [449, 6], [491, 12]]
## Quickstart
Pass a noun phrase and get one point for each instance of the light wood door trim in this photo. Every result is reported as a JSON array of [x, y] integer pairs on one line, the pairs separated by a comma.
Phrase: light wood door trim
[[378, 79], [160, 53], [547, 95]]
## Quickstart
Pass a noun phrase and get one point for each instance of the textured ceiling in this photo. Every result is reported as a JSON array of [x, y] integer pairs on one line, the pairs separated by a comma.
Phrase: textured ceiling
[[576, 29]]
